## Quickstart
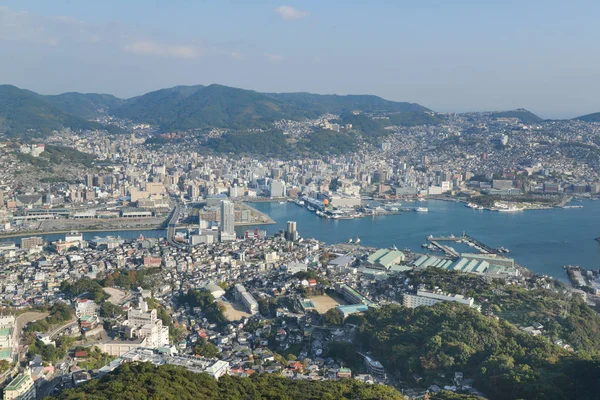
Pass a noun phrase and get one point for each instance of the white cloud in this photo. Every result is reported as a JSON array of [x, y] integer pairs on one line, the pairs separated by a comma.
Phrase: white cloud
[[151, 48], [289, 13], [274, 58]]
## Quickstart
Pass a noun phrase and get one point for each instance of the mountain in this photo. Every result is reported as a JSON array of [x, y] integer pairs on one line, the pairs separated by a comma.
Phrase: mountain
[[526, 117], [336, 104], [179, 108], [25, 113], [595, 117], [196, 107], [85, 105], [151, 106]]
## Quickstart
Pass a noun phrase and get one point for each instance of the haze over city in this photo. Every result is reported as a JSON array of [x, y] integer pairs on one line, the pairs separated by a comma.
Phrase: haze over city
[[458, 56]]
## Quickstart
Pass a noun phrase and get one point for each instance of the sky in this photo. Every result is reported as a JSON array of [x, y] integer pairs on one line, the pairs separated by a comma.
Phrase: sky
[[448, 55]]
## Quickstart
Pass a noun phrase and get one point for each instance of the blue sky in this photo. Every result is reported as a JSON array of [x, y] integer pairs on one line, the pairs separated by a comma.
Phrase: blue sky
[[447, 55]]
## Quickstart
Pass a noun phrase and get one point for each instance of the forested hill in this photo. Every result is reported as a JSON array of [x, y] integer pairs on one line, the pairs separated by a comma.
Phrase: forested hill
[[334, 103], [449, 337], [85, 105], [595, 117], [197, 107], [23, 112], [28, 114], [140, 381]]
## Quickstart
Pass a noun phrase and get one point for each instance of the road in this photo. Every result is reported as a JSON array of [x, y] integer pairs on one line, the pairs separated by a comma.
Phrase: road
[[28, 317], [58, 330], [172, 225]]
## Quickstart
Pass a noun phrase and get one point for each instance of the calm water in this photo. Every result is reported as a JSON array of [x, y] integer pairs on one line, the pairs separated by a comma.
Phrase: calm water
[[543, 241]]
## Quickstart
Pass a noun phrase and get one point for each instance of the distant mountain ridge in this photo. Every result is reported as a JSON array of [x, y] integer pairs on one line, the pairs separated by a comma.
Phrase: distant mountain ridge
[[85, 105], [342, 103], [27, 114], [177, 108], [594, 117], [526, 116]]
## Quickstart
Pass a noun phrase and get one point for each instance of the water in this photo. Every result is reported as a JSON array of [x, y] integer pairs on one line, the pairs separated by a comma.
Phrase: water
[[541, 240]]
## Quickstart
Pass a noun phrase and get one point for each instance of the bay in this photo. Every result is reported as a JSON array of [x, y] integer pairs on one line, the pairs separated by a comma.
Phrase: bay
[[541, 240]]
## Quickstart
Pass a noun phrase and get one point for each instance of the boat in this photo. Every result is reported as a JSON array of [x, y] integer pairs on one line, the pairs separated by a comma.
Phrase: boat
[[503, 250], [357, 240], [421, 209], [282, 202], [350, 240], [421, 199], [311, 209]]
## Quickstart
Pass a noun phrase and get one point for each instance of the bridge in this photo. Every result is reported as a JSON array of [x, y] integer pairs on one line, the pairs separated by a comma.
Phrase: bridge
[[172, 226]]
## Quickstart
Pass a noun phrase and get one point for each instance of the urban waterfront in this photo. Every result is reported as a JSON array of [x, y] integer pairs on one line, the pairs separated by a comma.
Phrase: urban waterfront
[[542, 241]]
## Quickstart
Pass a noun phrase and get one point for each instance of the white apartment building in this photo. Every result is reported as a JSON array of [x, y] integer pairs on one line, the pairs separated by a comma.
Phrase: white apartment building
[[85, 308], [144, 323], [427, 298]]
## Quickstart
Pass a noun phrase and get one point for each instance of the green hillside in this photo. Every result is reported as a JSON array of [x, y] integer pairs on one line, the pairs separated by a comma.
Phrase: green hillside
[[448, 337], [337, 104], [198, 107], [527, 117], [155, 106], [26, 114], [595, 117], [85, 105], [140, 381]]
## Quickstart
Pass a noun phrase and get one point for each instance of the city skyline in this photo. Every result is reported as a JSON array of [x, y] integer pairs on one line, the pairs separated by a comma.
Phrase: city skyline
[[447, 57]]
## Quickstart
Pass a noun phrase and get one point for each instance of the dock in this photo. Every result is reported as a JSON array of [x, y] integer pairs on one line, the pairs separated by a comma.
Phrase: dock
[[483, 248]]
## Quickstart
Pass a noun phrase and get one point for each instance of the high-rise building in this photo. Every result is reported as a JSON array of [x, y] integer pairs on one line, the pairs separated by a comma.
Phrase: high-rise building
[[291, 233], [277, 188], [227, 227]]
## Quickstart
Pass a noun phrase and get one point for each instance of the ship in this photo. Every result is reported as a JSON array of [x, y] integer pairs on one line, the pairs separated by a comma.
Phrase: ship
[[357, 240], [309, 208], [421, 209]]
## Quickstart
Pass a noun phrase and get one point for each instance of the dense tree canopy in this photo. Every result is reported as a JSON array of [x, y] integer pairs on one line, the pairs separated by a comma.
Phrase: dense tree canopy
[[140, 381], [450, 337]]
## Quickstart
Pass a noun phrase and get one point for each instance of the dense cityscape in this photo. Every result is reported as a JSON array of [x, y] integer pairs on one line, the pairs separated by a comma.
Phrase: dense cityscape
[[195, 205], [209, 298]]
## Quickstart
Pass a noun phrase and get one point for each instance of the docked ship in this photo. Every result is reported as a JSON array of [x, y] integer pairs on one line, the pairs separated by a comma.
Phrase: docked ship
[[421, 209]]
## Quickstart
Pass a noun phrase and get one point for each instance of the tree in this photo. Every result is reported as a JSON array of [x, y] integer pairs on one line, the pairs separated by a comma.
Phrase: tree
[[333, 317], [206, 349]]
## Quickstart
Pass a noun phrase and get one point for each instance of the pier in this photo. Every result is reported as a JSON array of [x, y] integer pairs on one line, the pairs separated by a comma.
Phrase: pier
[[471, 241]]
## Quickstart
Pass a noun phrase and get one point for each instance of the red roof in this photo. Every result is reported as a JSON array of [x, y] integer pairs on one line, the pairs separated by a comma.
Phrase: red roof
[[81, 353]]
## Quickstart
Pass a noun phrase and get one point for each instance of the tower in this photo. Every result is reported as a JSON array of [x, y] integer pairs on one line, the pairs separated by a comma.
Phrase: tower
[[227, 227]]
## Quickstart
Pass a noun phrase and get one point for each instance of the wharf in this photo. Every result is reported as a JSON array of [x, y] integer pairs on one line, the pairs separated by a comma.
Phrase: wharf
[[471, 241]]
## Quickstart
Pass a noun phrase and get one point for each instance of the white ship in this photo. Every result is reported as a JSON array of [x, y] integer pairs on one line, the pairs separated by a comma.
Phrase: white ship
[[421, 209]]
